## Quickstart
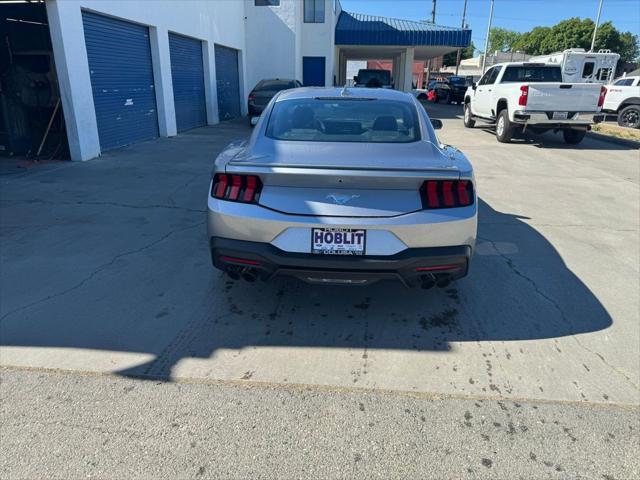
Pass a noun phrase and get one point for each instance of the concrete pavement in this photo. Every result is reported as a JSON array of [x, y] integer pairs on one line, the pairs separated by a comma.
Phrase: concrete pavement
[[105, 269], [61, 425]]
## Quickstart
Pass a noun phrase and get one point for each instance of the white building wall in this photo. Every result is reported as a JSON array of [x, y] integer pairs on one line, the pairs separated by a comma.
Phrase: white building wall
[[318, 39], [272, 41], [214, 22]]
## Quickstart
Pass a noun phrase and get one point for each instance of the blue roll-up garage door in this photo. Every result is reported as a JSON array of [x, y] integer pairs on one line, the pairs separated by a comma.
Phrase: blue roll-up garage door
[[121, 71], [187, 74], [228, 83]]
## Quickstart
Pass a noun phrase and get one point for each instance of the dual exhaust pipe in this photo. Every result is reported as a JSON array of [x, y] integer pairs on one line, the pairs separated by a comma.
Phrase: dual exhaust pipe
[[250, 275], [441, 280], [246, 273]]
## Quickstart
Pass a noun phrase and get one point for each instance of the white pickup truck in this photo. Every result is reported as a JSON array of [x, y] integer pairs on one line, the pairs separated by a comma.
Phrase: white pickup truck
[[532, 96], [623, 98]]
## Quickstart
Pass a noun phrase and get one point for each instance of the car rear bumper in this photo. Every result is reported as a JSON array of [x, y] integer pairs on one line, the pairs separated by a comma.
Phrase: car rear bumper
[[385, 235], [413, 267], [575, 119], [256, 110]]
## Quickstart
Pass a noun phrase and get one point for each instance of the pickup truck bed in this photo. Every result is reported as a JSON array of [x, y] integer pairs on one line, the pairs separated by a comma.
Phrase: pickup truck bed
[[532, 96]]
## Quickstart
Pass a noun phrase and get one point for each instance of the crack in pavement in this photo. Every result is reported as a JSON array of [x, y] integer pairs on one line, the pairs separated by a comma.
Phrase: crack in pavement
[[555, 304], [181, 187], [105, 204], [99, 269]]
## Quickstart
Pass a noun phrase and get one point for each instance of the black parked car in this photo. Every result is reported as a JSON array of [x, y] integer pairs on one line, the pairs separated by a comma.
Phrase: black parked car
[[264, 91], [449, 90]]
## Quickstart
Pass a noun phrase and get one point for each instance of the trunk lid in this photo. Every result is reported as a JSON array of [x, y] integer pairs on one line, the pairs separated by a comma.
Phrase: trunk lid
[[565, 97], [344, 179]]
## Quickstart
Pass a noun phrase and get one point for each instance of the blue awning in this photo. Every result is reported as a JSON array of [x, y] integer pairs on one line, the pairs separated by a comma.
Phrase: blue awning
[[360, 29]]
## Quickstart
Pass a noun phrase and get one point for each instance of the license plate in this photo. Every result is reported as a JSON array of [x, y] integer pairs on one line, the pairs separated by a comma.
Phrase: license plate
[[338, 241], [560, 115]]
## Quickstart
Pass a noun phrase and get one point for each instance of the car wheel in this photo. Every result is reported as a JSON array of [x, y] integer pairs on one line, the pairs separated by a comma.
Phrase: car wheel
[[572, 136], [629, 117], [504, 130], [469, 122]]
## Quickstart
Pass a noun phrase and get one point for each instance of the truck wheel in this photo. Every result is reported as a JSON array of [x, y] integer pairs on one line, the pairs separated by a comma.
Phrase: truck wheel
[[469, 122], [504, 130], [629, 117], [572, 136]]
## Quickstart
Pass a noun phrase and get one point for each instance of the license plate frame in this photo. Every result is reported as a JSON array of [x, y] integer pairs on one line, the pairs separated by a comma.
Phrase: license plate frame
[[560, 115], [320, 248]]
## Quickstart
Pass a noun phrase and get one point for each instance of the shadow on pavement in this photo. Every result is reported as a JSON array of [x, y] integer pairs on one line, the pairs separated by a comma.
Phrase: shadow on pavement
[[129, 271]]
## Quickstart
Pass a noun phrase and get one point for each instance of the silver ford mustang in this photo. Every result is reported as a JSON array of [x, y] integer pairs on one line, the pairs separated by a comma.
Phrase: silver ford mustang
[[343, 186]]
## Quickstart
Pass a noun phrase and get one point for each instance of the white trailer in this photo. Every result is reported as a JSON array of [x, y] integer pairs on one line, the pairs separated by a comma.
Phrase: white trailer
[[580, 66]]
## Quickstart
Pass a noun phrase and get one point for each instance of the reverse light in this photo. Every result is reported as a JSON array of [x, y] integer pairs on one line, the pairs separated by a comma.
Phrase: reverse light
[[236, 188], [524, 95], [446, 194], [603, 94]]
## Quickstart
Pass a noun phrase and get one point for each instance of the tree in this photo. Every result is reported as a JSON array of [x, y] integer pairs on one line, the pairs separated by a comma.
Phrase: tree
[[577, 33], [502, 40], [532, 41], [450, 58], [629, 48]]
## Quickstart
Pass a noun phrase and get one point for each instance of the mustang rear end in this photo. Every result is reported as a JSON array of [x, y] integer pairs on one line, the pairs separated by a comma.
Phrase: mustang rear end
[[343, 187]]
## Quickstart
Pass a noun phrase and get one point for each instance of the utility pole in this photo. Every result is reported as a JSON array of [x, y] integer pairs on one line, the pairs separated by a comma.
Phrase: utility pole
[[486, 42], [464, 14], [433, 20], [595, 30]]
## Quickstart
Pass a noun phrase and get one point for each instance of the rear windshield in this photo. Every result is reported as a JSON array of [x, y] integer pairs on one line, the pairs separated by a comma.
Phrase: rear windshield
[[383, 76], [344, 120], [274, 86], [532, 74], [458, 81]]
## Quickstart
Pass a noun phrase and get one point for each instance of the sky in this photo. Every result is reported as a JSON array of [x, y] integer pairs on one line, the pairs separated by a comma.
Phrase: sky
[[518, 15]]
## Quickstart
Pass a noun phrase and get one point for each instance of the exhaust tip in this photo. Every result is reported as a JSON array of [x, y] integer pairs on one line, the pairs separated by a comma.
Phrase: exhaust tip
[[233, 273], [443, 281], [428, 281], [249, 274]]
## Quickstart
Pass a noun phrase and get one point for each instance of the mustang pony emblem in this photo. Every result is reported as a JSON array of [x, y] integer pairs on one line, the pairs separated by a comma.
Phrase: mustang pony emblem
[[341, 199]]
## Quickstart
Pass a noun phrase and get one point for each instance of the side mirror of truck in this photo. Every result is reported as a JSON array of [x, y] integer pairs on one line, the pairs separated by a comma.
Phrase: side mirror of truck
[[436, 124], [474, 85]]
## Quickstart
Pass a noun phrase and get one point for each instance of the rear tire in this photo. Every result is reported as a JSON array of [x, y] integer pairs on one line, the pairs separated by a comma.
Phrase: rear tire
[[469, 122], [573, 137], [629, 117], [504, 129]]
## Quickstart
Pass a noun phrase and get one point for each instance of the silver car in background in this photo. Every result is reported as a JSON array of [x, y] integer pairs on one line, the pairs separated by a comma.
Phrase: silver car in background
[[343, 186]]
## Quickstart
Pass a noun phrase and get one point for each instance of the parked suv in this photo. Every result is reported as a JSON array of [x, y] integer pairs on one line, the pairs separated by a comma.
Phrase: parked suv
[[264, 91], [373, 78]]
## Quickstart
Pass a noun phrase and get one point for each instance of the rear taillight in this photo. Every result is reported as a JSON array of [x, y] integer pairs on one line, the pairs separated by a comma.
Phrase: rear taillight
[[236, 188], [252, 97], [524, 95], [446, 193], [603, 93]]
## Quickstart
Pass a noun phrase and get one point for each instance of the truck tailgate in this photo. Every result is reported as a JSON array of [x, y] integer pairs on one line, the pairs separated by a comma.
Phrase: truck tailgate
[[565, 97]]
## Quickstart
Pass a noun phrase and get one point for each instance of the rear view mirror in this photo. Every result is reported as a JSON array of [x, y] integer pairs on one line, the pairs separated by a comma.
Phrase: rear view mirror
[[474, 85], [254, 121], [436, 124]]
